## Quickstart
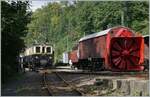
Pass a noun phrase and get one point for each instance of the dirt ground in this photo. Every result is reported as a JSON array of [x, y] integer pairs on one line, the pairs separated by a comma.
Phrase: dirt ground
[[29, 85]]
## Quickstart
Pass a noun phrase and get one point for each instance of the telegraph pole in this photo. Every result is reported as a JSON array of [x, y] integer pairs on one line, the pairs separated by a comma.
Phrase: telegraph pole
[[124, 15], [122, 18], [68, 35], [84, 33]]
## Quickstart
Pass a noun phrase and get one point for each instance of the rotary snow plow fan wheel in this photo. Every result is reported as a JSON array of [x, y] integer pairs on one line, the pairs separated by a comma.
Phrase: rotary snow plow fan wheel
[[125, 53]]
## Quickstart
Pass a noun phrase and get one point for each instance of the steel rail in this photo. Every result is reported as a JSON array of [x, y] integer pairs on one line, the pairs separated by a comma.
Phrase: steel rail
[[49, 90], [70, 85], [46, 84], [105, 73]]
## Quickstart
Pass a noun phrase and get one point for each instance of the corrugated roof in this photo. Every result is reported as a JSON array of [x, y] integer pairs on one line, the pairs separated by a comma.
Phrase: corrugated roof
[[95, 35]]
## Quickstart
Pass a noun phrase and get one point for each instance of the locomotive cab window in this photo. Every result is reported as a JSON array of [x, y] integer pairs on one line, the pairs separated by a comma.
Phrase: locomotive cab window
[[37, 49], [43, 49], [48, 49]]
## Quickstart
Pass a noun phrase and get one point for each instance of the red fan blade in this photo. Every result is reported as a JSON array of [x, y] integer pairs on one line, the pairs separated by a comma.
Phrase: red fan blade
[[115, 53], [117, 46], [116, 61]]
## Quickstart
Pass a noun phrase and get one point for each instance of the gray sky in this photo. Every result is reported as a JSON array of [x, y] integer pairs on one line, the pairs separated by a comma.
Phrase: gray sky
[[39, 3]]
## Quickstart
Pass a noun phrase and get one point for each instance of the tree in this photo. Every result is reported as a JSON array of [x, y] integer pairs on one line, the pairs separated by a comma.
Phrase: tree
[[14, 20], [66, 23]]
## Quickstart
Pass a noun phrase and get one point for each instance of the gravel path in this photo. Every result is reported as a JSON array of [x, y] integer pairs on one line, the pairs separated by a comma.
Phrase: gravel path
[[29, 85]]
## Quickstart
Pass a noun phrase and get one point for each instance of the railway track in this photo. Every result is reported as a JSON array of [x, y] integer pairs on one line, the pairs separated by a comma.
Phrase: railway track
[[46, 84], [109, 73], [63, 80], [103, 83], [59, 86]]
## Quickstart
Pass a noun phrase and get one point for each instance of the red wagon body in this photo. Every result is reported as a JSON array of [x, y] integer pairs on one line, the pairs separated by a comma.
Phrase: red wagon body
[[119, 48], [73, 56], [92, 48]]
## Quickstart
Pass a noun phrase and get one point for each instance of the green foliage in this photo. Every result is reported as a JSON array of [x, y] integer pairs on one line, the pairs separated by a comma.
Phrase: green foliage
[[14, 19], [63, 24]]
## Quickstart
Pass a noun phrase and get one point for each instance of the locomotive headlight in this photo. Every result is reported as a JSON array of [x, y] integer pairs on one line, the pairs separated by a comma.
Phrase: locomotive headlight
[[36, 57]]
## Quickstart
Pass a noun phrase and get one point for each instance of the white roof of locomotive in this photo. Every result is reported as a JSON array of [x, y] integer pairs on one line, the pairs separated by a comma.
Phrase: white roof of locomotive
[[104, 32], [38, 45]]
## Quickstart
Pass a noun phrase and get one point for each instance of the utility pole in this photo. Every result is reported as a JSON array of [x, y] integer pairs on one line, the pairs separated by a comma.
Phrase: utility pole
[[67, 41], [122, 18], [124, 15], [68, 34], [54, 53], [84, 33], [46, 34]]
